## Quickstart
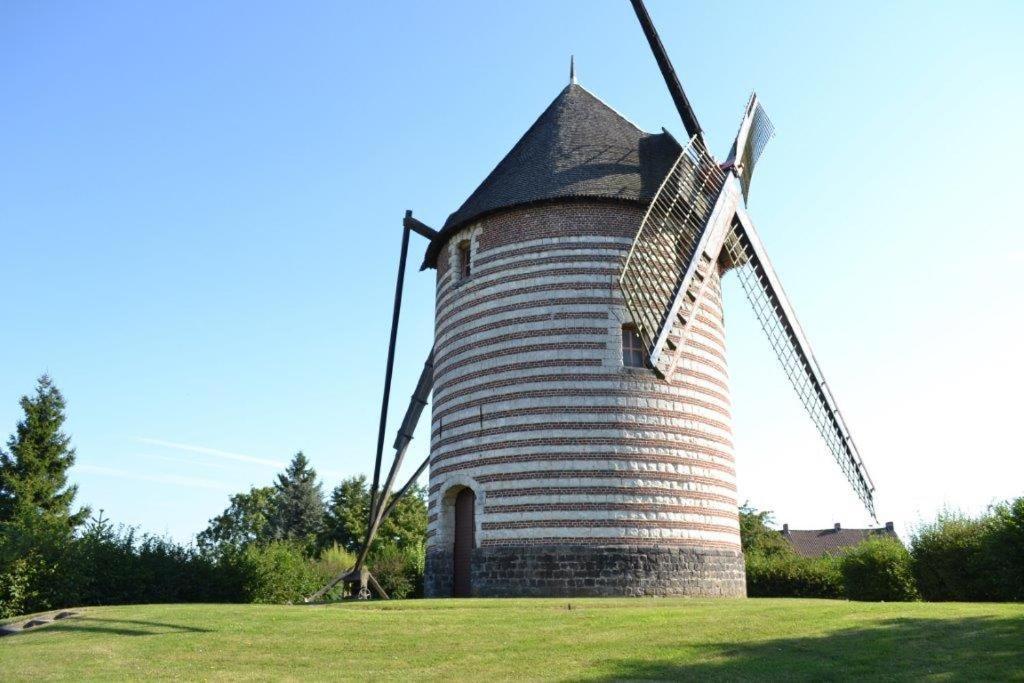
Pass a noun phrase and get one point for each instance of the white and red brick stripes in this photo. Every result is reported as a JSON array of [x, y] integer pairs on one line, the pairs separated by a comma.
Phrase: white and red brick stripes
[[533, 410]]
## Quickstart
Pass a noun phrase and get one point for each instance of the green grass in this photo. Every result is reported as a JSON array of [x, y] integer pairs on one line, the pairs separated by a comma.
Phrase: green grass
[[533, 639]]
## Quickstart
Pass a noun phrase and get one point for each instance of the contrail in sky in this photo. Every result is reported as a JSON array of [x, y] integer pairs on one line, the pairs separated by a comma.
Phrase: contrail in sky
[[186, 461], [215, 452], [192, 482]]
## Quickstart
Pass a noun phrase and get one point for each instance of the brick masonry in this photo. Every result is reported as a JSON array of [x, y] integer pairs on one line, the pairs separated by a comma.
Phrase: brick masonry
[[576, 571], [590, 478]]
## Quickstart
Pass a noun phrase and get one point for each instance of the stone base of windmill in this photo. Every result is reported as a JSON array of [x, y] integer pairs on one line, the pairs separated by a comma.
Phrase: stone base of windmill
[[599, 571]]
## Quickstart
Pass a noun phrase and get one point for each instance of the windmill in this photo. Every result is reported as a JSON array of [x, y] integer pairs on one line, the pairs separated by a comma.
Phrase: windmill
[[580, 426], [698, 217]]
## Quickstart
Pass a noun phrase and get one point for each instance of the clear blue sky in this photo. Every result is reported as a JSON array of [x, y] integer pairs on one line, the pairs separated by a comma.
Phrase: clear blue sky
[[200, 210]]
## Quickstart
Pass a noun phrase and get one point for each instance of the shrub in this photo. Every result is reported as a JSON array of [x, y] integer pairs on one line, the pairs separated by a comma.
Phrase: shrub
[[41, 569], [970, 559], [114, 566], [949, 559], [278, 572], [103, 566], [98, 568], [399, 570], [19, 587], [788, 575], [335, 559], [757, 537], [27, 565], [1003, 549], [879, 569], [775, 570]]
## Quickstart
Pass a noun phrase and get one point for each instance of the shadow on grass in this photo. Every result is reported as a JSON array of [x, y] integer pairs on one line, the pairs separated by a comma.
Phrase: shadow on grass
[[121, 627], [973, 648]]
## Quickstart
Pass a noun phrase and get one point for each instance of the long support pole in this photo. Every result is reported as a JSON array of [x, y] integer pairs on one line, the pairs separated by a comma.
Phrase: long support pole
[[412, 416], [405, 433], [399, 284], [381, 503]]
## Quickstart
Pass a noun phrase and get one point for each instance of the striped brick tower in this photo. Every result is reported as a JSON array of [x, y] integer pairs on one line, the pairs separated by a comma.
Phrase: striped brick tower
[[557, 467]]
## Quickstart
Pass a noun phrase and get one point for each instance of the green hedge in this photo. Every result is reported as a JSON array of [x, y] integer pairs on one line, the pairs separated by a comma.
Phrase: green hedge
[[1004, 546], [792, 576], [278, 572], [104, 567], [972, 559], [953, 558], [949, 559], [109, 566], [879, 569]]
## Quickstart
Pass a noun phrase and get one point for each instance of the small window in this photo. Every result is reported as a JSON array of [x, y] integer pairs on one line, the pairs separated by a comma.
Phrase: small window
[[633, 352], [464, 260]]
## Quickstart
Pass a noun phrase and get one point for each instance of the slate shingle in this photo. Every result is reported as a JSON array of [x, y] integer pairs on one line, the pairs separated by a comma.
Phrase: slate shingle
[[578, 148]]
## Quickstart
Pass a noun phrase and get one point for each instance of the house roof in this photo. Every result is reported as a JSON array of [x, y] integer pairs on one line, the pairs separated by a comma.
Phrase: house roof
[[814, 542], [579, 148]]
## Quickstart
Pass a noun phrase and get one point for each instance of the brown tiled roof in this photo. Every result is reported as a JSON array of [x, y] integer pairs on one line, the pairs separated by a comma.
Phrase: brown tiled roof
[[579, 148], [815, 542]]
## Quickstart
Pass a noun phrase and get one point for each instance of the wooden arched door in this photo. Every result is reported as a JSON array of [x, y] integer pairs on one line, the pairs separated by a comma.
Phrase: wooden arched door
[[462, 553]]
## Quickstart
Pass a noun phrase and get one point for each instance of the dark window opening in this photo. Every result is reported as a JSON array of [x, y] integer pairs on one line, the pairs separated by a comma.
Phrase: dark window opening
[[633, 353], [464, 261]]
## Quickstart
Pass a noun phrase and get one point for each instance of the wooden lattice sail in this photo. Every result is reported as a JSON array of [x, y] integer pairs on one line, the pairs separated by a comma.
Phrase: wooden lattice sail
[[698, 222]]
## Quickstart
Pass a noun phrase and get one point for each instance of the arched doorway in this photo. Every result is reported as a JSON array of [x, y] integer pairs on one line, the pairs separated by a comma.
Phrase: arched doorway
[[465, 537]]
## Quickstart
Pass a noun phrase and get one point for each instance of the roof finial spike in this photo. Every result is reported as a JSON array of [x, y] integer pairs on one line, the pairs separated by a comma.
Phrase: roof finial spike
[[572, 69]]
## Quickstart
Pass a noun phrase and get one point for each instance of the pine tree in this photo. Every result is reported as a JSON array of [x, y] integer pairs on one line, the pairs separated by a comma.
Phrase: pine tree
[[33, 471], [299, 502]]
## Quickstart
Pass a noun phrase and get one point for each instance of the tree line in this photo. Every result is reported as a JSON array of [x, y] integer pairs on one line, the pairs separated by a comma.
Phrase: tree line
[[274, 543]]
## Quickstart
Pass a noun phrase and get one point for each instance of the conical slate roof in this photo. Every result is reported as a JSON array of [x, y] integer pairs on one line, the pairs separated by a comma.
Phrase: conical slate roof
[[578, 148]]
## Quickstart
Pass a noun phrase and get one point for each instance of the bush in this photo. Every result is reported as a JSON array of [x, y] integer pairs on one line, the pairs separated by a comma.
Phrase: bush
[[949, 559], [1003, 549], [278, 572], [104, 566], [788, 575], [19, 587], [757, 537], [108, 566], [399, 570], [42, 569], [335, 560], [879, 569], [775, 570], [332, 562], [972, 559]]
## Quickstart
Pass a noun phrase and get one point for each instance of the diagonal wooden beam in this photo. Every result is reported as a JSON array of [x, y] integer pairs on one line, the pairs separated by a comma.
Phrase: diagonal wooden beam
[[675, 88]]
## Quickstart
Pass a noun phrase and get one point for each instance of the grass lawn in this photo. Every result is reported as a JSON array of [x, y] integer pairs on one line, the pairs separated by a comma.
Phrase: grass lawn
[[551, 639]]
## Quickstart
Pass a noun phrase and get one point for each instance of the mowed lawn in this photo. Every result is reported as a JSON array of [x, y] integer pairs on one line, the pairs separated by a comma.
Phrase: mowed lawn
[[533, 639]]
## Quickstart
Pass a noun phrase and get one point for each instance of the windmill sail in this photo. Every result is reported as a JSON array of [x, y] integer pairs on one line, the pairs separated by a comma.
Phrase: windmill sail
[[696, 215], [756, 130], [673, 251], [773, 311]]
